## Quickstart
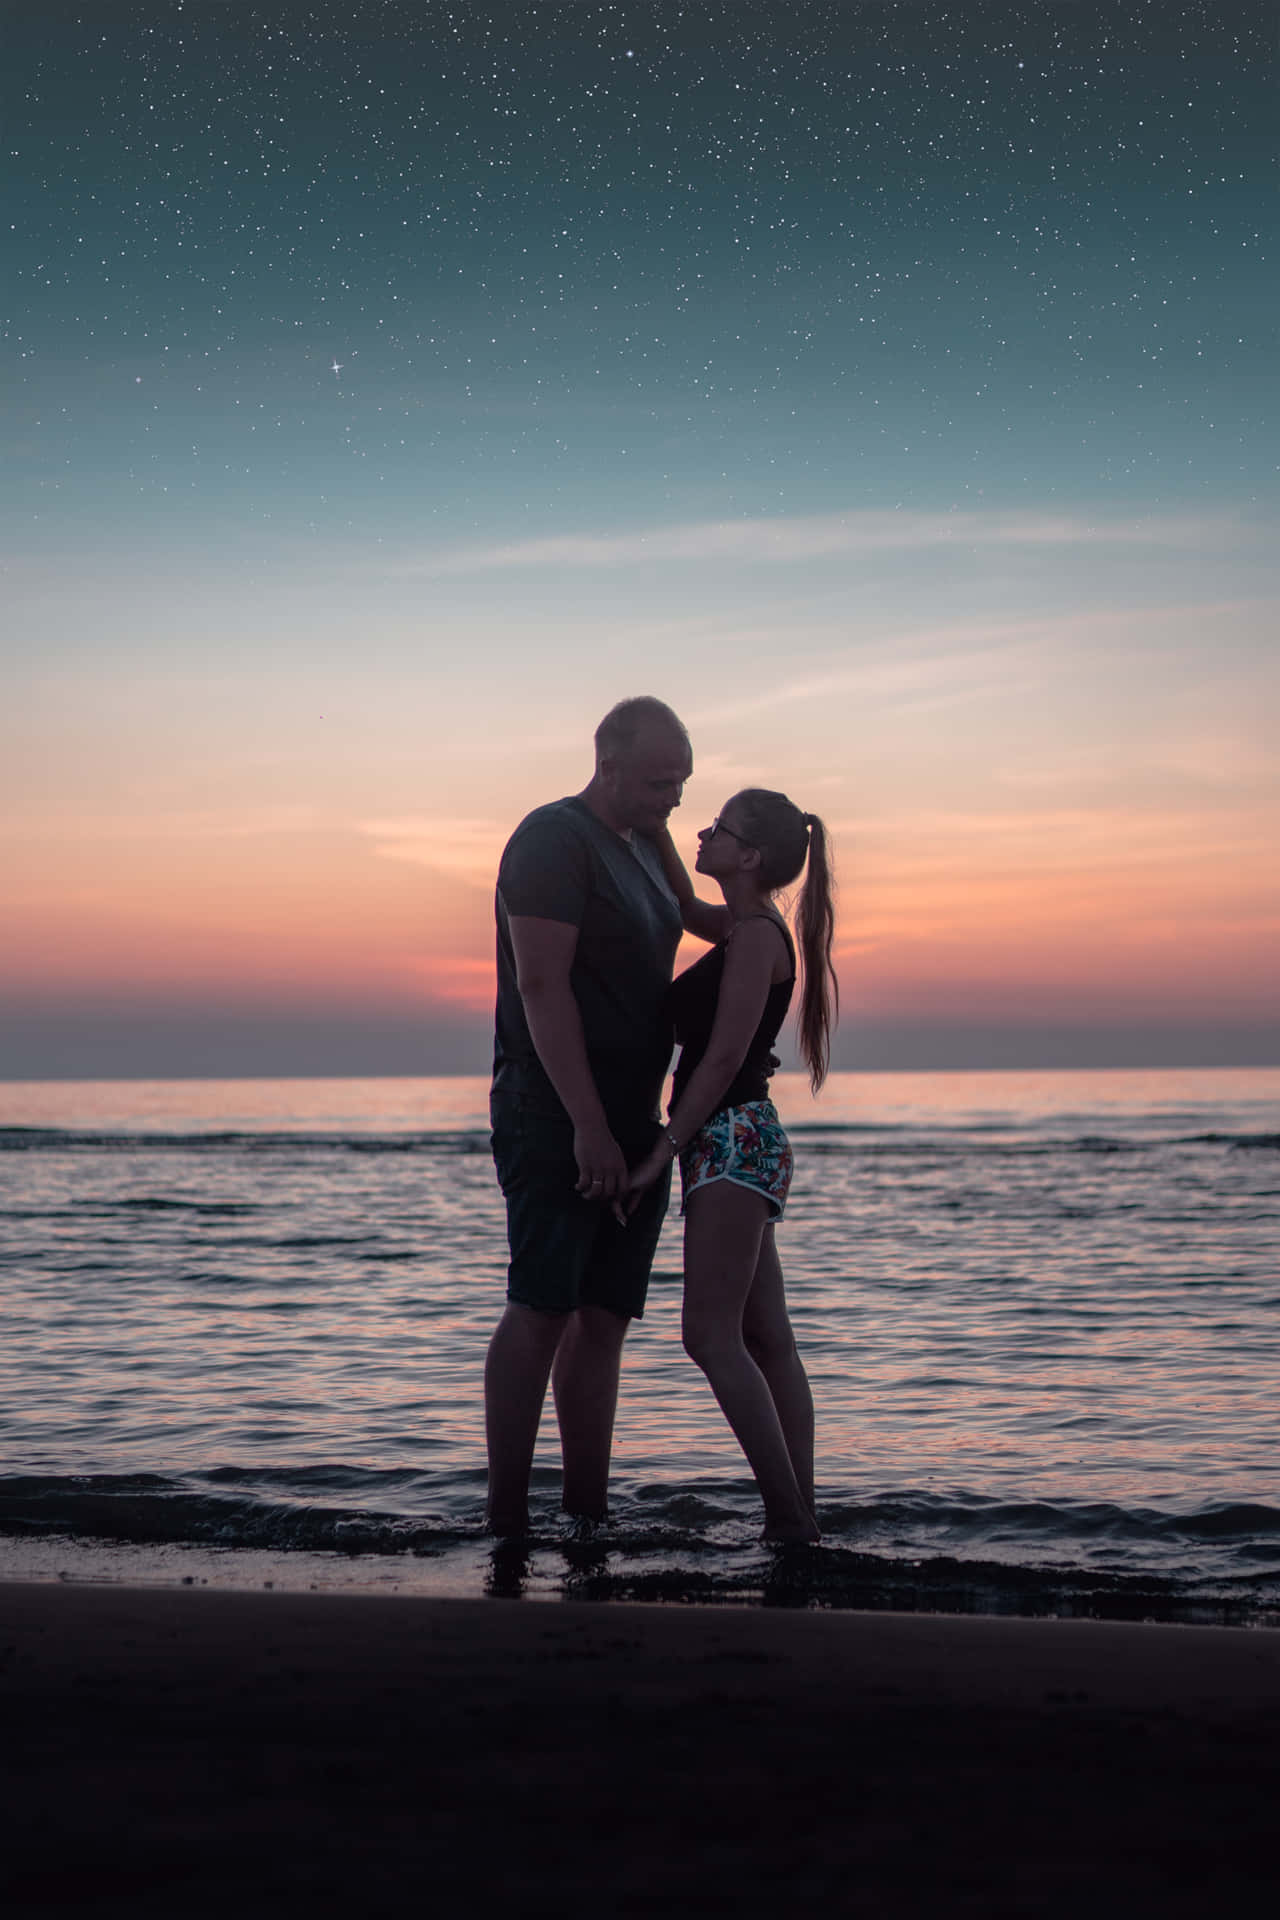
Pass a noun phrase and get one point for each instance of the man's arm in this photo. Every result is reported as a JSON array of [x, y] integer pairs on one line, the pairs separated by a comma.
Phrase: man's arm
[[544, 951], [698, 916]]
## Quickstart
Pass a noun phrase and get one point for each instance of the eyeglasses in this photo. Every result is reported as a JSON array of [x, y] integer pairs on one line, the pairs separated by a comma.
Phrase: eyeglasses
[[718, 826]]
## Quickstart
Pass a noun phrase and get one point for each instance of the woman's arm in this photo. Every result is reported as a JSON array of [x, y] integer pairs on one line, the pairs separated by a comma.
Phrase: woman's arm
[[744, 988], [699, 916]]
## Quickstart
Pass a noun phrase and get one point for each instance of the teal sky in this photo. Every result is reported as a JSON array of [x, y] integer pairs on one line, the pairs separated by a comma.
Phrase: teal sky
[[392, 388]]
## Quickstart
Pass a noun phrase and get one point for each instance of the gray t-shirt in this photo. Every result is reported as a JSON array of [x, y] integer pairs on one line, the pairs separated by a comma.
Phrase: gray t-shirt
[[561, 863]]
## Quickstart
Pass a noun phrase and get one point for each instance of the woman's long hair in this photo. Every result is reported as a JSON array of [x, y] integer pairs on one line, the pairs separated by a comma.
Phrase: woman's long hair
[[784, 838]]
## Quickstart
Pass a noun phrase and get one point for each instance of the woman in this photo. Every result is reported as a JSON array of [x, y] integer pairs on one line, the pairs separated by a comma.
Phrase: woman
[[735, 1160]]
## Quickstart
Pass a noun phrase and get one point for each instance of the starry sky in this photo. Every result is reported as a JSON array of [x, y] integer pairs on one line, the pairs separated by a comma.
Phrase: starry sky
[[391, 388]]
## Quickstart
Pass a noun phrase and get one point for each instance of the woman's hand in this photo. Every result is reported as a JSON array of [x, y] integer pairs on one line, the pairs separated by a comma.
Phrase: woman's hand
[[640, 1178]]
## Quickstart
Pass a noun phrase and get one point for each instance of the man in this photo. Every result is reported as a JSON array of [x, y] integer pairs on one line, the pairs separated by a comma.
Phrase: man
[[587, 935]]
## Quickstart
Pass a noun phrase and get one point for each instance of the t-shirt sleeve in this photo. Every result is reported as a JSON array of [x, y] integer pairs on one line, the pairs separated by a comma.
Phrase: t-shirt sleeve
[[544, 873]]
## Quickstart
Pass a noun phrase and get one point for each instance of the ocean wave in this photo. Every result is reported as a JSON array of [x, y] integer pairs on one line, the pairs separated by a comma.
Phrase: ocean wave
[[1001, 1141], [839, 1579], [76, 1140], [958, 1552], [153, 1510], [1050, 1523]]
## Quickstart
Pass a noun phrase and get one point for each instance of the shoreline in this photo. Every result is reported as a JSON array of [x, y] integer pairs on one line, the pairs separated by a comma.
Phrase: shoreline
[[198, 1746], [561, 1570]]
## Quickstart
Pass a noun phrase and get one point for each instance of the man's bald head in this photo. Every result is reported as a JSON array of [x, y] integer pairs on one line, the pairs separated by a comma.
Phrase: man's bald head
[[643, 759], [619, 730]]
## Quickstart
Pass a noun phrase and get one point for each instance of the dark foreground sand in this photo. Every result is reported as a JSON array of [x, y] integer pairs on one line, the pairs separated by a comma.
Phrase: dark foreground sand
[[191, 1752]]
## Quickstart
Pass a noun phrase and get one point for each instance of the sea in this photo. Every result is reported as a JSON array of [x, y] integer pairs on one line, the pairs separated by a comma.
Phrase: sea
[[244, 1325]]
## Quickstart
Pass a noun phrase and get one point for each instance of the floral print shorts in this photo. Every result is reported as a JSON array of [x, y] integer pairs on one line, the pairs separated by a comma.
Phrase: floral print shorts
[[744, 1145]]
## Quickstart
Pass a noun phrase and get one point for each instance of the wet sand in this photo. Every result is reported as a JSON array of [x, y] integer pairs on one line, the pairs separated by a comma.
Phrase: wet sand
[[189, 1752]]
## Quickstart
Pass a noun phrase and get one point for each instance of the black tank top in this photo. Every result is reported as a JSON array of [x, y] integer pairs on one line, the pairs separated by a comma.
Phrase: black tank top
[[694, 994]]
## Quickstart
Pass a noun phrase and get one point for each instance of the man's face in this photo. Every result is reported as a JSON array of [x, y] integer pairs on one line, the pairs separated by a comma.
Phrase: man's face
[[645, 785]]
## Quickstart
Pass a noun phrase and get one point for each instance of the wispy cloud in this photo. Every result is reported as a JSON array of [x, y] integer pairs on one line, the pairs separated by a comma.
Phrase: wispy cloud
[[1037, 842], [465, 849], [782, 541], [166, 823], [1208, 764], [1118, 880], [964, 660]]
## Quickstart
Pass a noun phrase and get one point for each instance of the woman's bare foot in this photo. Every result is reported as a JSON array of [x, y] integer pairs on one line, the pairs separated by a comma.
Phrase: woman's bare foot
[[792, 1533]]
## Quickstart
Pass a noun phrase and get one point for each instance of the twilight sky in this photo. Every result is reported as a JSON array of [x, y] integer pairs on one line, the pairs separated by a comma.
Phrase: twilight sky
[[392, 387]]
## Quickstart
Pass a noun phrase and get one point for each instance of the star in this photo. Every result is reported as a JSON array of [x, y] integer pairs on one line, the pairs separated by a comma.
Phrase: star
[[336, 368]]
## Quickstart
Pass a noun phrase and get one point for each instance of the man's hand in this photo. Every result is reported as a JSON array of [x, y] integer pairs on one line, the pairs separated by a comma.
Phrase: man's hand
[[602, 1171]]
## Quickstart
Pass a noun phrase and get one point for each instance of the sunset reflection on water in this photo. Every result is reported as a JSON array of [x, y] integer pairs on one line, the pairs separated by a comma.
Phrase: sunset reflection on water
[[1026, 1286]]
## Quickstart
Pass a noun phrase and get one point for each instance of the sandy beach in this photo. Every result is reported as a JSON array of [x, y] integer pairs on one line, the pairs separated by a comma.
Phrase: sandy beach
[[203, 1752]]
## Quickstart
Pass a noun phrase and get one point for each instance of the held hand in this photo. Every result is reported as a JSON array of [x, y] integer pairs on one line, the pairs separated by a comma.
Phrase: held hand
[[642, 1177], [602, 1170]]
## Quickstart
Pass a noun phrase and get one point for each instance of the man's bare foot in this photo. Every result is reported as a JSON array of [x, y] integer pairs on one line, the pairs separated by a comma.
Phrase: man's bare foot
[[507, 1526]]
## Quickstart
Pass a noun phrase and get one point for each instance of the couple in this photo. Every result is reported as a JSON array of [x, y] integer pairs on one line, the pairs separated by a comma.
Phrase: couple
[[592, 899]]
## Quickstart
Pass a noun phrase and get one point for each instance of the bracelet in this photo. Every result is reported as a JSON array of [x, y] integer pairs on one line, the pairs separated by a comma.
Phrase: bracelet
[[675, 1144]]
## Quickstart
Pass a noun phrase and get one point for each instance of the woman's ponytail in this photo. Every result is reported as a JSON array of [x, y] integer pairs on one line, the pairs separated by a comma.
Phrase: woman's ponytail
[[785, 838], [815, 928]]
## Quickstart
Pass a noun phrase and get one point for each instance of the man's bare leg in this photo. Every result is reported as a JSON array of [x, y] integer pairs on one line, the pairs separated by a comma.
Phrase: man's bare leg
[[585, 1382], [515, 1385]]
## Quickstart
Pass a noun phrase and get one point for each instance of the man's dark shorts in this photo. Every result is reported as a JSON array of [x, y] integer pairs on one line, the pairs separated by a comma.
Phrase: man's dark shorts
[[568, 1252]]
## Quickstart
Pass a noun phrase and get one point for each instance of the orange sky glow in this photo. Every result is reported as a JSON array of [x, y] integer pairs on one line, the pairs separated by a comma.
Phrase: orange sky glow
[[1067, 817]]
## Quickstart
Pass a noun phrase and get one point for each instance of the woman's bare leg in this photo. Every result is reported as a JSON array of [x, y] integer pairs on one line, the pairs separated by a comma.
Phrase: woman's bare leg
[[724, 1225], [771, 1343]]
